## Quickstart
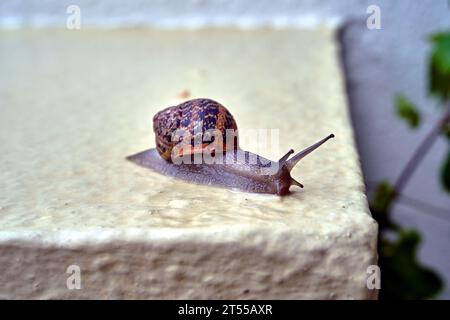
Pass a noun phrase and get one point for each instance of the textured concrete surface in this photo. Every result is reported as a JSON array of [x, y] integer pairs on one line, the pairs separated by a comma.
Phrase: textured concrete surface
[[380, 64], [74, 104]]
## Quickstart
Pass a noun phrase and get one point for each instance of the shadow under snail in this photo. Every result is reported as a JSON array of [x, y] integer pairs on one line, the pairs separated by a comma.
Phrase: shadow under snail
[[197, 141]]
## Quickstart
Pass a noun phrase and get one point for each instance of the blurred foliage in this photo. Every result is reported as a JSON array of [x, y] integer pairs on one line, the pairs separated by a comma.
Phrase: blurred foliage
[[407, 111], [403, 276], [382, 199], [445, 171], [439, 69], [446, 132], [445, 174]]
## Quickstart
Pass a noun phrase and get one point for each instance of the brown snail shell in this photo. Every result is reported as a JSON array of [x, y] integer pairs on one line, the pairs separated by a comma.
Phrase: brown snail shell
[[192, 119]]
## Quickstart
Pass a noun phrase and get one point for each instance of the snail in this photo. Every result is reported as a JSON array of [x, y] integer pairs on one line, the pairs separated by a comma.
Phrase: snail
[[197, 141]]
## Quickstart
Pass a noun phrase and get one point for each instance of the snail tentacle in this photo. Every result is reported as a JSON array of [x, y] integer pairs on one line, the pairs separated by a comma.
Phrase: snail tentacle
[[295, 159], [285, 157]]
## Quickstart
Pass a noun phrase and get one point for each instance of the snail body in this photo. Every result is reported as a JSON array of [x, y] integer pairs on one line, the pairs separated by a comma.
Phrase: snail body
[[222, 162]]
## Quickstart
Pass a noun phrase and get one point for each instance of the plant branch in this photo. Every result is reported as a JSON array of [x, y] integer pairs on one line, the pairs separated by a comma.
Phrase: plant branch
[[424, 207], [420, 152]]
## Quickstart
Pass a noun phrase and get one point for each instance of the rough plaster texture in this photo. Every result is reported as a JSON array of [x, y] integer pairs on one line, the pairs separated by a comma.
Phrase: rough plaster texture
[[74, 104], [379, 63]]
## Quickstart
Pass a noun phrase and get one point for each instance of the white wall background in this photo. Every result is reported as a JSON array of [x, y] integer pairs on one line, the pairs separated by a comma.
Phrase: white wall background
[[179, 13], [379, 63]]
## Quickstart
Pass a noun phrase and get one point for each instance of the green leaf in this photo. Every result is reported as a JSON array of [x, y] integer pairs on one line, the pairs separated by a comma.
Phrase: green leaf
[[407, 111], [446, 132], [445, 173], [439, 66], [383, 196], [381, 203], [402, 276]]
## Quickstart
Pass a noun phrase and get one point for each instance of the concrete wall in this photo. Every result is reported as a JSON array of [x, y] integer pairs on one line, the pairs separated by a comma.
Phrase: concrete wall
[[379, 64]]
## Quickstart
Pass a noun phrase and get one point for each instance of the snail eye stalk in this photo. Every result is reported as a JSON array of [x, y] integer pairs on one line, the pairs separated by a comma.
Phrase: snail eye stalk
[[285, 157], [295, 159]]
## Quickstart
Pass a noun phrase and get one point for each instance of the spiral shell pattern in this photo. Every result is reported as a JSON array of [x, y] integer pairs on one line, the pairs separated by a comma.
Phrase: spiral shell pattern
[[194, 119]]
